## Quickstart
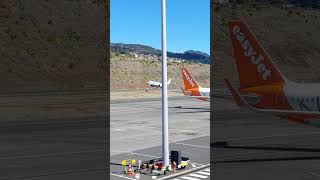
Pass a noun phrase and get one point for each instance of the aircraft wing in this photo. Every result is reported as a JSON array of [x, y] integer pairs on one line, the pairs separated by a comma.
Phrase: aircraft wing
[[287, 112], [242, 102], [305, 117]]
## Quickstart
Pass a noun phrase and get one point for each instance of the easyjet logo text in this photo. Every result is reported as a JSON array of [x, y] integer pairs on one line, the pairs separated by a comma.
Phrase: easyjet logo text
[[248, 51], [188, 78]]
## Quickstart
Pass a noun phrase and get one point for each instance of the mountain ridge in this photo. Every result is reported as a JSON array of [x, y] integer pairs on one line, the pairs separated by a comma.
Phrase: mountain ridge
[[189, 55]]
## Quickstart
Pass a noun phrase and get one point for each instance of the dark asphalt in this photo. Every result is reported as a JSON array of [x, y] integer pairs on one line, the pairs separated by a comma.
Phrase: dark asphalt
[[249, 146], [46, 151], [61, 142]]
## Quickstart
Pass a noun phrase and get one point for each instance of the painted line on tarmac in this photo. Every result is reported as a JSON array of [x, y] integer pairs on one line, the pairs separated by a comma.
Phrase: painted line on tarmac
[[197, 164], [184, 172], [146, 155], [122, 176], [193, 145]]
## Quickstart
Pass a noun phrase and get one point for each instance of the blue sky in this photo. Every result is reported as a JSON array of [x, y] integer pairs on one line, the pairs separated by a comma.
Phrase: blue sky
[[139, 22]]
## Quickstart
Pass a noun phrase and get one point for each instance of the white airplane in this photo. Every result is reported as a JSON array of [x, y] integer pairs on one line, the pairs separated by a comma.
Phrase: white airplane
[[157, 84]]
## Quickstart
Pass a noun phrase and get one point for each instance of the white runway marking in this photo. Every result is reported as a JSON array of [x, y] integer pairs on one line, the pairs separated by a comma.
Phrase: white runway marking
[[198, 164], [132, 153], [189, 178], [199, 175], [208, 170], [193, 145], [204, 173], [122, 176]]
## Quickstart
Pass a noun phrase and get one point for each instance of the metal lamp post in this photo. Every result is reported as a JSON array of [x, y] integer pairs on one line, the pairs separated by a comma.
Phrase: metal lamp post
[[165, 124]]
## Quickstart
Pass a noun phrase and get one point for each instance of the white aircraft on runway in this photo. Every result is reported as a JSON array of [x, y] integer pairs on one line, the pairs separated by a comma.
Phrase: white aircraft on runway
[[157, 84]]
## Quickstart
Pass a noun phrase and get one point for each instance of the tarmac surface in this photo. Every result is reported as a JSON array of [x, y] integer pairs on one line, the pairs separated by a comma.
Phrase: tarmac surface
[[248, 145], [135, 133], [53, 135]]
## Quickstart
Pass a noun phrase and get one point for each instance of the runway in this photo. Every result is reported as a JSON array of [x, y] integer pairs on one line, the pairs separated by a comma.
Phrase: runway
[[53, 136], [137, 124], [249, 145], [135, 131]]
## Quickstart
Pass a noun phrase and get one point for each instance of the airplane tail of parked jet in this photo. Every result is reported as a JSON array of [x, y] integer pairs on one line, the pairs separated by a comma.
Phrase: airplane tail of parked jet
[[192, 88], [256, 72], [254, 65], [271, 91], [189, 82]]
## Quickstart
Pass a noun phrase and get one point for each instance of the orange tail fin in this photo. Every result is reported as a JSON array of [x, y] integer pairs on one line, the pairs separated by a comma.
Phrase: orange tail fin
[[183, 92], [234, 93], [253, 63], [189, 82]]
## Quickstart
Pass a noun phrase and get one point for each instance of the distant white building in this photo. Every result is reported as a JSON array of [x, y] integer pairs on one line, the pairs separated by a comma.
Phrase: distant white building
[[134, 54]]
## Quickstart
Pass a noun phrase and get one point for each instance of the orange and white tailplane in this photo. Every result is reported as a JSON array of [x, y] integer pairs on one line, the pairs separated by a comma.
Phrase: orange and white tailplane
[[192, 88], [259, 77]]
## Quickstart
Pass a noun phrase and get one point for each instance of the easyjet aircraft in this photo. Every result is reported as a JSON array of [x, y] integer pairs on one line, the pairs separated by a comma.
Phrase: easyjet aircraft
[[258, 76], [192, 88]]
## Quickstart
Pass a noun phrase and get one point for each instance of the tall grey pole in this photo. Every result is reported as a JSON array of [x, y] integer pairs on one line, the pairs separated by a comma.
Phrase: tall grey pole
[[165, 126]]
